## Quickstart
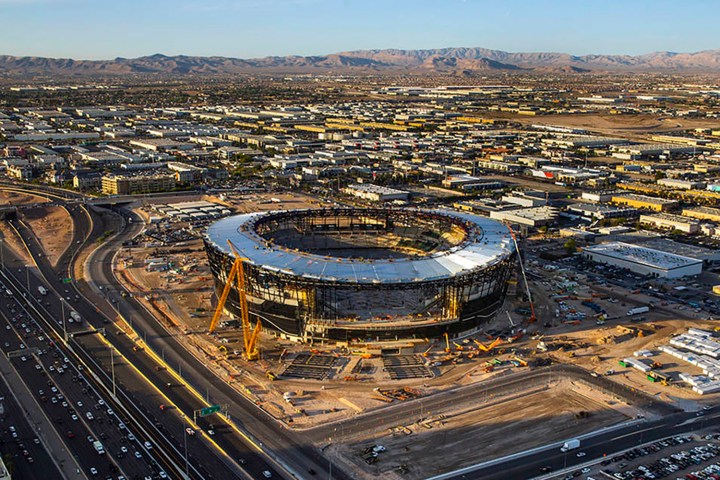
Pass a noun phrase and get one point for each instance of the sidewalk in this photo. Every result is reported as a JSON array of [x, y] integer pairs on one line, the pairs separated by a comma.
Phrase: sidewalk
[[64, 459]]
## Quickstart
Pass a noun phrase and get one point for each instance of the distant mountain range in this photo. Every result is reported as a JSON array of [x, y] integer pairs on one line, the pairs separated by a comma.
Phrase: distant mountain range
[[443, 60]]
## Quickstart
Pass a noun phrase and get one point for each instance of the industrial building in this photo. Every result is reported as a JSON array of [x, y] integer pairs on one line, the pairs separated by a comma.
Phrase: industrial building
[[644, 202], [519, 198], [376, 193], [532, 217], [362, 275], [671, 222], [598, 197], [192, 211], [644, 261], [600, 212], [703, 213], [681, 184]]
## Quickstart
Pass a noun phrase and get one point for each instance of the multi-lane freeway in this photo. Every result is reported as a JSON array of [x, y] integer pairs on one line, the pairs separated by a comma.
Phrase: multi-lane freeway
[[157, 386]]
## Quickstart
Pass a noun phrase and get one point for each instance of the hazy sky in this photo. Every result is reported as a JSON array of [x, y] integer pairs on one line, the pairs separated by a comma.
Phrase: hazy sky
[[94, 29]]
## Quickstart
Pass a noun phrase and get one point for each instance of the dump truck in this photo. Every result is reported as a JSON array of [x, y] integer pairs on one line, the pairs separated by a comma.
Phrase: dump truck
[[571, 444]]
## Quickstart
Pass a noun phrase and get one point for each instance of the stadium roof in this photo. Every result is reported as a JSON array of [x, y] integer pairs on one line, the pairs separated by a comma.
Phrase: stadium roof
[[488, 244]]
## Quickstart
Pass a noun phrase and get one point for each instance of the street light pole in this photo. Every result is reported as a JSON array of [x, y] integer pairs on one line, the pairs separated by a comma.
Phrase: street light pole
[[187, 465], [64, 320], [112, 367], [27, 277]]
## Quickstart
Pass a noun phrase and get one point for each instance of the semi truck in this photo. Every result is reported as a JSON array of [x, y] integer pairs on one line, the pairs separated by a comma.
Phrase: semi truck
[[42, 290], [571, 444], [637, 311]]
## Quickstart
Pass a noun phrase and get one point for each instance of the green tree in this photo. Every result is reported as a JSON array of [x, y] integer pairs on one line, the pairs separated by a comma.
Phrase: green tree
[[571, 245]]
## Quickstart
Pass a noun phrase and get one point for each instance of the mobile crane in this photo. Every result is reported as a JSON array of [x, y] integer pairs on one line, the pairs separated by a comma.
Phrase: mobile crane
[[237, 275]]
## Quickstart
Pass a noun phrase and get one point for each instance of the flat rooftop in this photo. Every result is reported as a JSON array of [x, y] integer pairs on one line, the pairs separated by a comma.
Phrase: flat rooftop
[[642, 255]]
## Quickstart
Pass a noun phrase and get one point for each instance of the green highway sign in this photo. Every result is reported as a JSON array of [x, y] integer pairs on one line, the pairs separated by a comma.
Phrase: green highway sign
[[204, 412], [67, 280]]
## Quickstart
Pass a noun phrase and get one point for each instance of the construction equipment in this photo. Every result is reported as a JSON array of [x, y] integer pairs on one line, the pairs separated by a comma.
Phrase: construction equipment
[[447, 343], [458, 347], [427, 352], [522, 362], [532, 316], [658, 377], [237, 275], [487, 348]]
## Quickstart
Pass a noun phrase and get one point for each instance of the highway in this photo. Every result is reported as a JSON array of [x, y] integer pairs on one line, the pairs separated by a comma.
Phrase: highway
[[139, 400], [61, 390], [37, 464]]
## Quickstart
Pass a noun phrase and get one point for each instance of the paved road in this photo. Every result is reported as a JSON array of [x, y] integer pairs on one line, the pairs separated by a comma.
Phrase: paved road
[[596, 447], [166, 429], [27, 437], [65, 398]]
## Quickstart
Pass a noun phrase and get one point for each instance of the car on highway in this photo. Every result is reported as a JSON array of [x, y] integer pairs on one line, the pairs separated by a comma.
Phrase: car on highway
[[581, 454], [267, 474], [93, 470], [138, 455], [190, 431], [148, 445]]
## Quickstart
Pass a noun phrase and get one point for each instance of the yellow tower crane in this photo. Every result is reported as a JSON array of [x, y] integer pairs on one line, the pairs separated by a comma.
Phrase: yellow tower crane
[[237, 275]]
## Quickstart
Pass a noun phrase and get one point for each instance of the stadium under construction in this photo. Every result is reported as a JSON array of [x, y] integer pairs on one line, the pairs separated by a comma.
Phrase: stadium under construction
[[364, 275]]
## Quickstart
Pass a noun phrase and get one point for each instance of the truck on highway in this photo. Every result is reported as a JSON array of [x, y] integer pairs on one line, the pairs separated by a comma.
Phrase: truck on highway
[[98, 447], [76, 316], [42, 290], [637, 311], [571, 444]]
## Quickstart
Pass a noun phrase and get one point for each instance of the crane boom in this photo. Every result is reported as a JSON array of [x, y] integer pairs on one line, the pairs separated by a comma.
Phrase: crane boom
[[224, 295], [522, 270], [237, 276]]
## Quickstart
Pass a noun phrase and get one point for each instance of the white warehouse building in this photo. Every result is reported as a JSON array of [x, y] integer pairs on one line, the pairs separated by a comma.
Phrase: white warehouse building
[[645, 261]]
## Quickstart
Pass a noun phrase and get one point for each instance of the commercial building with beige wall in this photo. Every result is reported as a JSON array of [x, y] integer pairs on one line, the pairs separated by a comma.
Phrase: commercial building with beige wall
[[131, 184]]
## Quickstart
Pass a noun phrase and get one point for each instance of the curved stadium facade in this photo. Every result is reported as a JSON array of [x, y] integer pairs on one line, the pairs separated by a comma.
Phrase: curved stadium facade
[[358, 275]]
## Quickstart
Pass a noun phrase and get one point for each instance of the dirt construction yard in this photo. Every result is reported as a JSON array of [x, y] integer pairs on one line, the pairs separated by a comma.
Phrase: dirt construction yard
[[484, 431]]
